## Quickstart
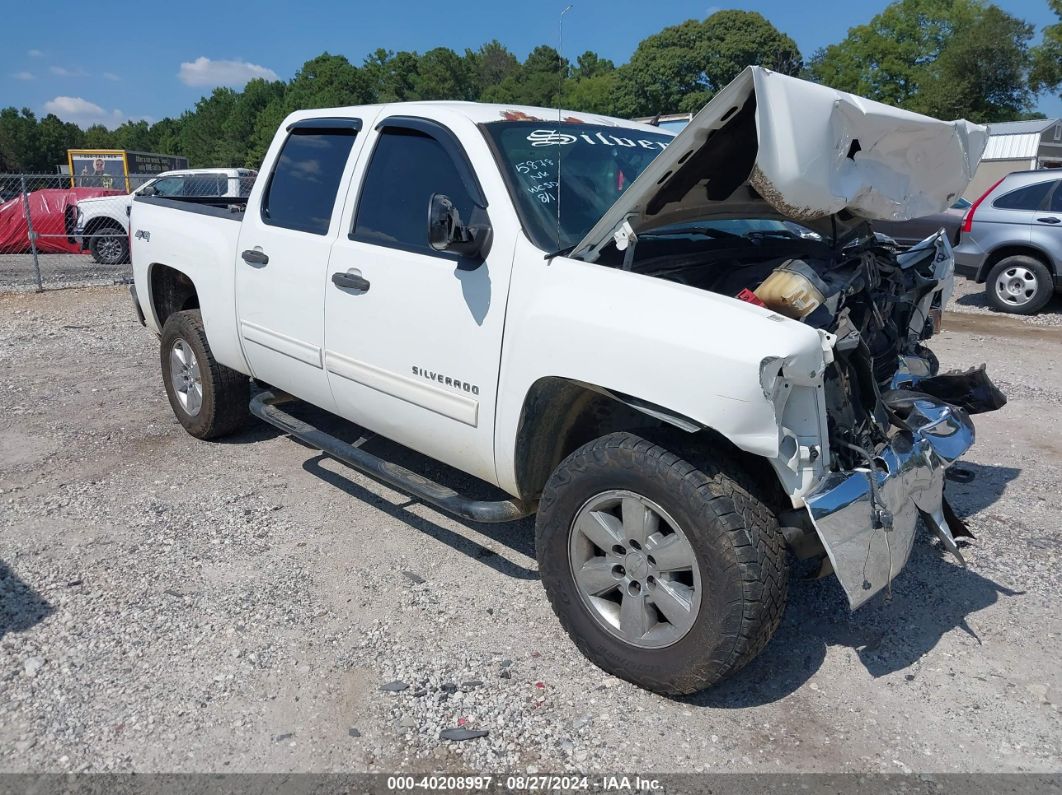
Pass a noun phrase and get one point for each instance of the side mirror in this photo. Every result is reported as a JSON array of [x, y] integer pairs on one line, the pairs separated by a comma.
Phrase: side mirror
[[446, 232], [147, 191]]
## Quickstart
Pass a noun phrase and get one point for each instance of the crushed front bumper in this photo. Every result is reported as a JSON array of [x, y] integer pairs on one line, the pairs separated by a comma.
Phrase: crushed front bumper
[[866, 518]]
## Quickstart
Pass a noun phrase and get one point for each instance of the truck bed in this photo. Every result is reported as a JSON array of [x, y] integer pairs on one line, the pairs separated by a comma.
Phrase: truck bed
[[217, 206]]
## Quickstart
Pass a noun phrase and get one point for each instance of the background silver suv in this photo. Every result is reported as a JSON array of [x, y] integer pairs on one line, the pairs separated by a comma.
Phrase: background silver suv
[[1011, 240]]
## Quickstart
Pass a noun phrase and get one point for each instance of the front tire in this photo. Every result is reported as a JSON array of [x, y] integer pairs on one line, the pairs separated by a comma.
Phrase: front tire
[[1020, 285], [208, 399], [664, 572]]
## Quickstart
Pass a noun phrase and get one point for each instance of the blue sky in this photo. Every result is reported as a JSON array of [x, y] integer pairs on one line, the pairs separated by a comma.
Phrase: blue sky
[[150, 60]]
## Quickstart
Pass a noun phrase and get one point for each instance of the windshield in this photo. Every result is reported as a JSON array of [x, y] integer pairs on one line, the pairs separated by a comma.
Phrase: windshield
[[592, 165]]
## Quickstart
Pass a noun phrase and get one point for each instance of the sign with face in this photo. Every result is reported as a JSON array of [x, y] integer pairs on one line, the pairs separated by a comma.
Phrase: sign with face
[[98, 170]]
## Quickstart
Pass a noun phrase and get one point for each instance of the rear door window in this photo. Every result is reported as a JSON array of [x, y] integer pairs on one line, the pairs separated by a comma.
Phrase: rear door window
[[303, 186], [1056, 198], [1031, 197]]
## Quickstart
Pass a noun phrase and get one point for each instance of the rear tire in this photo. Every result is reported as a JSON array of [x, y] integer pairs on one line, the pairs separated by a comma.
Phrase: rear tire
[[737, 567], [208, 399], [110, 246], [1019, 285]]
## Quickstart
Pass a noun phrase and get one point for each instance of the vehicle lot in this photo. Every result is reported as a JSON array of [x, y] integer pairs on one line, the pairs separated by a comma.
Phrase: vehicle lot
[[169, 604]]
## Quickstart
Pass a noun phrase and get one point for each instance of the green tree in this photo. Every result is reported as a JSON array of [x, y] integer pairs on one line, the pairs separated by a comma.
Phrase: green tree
[[19, 146], [681, 67], [885, 58], [1046, 73], [443, 74], [328, 81], [537, 82], [167, 134], [238, 130], [941, 57], [734, 40], [203, 129], [597, 94], [54, 137], [136, 136], [99, 137], [389, 75], [981, 72], [664, 73], [491, 64], [590, 64]]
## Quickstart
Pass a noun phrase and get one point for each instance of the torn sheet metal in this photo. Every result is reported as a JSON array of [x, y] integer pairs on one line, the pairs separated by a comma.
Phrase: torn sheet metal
[[868, 526], [770, 145], [825, 151]]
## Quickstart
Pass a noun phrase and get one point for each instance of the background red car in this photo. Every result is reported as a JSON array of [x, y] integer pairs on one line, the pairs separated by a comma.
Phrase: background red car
[[53, 212]]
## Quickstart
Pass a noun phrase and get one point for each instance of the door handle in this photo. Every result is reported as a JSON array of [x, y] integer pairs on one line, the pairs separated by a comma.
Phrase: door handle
[[254, 257], [351, 281], [1049, 220]]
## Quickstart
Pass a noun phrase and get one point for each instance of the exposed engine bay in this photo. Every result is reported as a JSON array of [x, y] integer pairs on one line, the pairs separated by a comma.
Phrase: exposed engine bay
[[880, 303], [894, 423]]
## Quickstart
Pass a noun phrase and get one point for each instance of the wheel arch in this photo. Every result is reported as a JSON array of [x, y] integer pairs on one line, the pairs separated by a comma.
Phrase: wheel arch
[[559, 415], [171, 290], [94, 225]]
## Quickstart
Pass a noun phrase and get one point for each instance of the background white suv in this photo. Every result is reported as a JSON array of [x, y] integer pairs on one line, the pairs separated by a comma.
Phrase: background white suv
[[103, 223]]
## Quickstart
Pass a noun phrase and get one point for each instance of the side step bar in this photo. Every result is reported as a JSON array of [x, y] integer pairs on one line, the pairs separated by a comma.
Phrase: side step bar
[[264, 406]]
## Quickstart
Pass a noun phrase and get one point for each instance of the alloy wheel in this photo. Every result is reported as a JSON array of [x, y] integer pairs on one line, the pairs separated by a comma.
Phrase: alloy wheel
[[635, 569]]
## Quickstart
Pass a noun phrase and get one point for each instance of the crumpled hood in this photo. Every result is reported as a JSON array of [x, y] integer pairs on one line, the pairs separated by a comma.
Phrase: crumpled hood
[[771, 145]]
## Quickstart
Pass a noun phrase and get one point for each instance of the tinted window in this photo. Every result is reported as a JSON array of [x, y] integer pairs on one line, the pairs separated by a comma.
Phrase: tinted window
[[1030, 197], [1056, 198], [168, 186], [407, 168], [204, 185], [302, 189]]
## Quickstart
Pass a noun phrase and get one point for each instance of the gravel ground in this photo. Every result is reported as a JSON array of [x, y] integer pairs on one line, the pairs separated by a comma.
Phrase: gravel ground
[[57, 271], [168, 604]]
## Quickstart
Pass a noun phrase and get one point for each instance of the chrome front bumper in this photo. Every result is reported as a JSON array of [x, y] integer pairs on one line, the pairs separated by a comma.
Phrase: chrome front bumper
[[867, 518]]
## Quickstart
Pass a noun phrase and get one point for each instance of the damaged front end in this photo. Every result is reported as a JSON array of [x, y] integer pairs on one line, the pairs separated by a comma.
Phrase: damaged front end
[[893, 435], [866, 517], [866, 433]]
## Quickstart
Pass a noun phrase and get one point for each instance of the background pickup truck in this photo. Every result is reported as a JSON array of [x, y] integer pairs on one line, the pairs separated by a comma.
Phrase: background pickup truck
[[102, 225], [622, 330]]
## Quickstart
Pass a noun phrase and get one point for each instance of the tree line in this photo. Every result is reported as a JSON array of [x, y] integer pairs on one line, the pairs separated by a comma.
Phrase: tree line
[[944, 58]]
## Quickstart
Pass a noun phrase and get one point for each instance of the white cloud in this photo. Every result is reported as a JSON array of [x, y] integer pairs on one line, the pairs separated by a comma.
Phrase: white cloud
[[35, 54], [205, 72], [111, 76], [84, 113], [23, 75], [61, 71]]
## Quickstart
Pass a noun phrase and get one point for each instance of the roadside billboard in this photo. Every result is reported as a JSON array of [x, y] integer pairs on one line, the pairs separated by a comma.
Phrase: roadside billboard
[[111, 168]]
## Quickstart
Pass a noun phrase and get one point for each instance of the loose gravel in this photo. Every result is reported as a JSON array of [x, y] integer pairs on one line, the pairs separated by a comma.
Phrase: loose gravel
[[168, 604], [58, 271]]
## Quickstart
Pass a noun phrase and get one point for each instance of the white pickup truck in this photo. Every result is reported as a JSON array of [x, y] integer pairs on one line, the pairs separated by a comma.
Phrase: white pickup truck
[[102, 226], [615, 326]]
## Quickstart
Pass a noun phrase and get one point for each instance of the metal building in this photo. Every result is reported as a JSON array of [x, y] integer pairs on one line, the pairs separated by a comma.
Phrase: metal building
[[1017, 146]]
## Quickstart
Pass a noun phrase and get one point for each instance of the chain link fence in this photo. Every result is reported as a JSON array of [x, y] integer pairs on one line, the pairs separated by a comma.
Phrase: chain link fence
[[62, 231]]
